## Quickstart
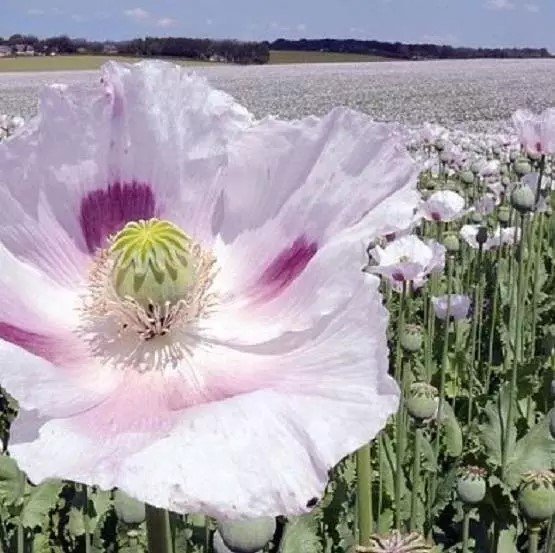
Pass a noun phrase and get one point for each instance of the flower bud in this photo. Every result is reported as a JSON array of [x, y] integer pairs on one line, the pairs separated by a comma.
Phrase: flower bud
[[537, 495], [247, 536], [471, 485], [482, 235], [422, 401], [523, 199], [411, 338]]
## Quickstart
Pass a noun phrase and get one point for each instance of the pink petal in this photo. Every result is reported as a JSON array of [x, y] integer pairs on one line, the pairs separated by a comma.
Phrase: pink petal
[[261, 453]]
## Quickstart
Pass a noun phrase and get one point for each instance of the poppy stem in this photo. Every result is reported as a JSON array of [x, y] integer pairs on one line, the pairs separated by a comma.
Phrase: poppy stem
[[364, 495], [158, 530]]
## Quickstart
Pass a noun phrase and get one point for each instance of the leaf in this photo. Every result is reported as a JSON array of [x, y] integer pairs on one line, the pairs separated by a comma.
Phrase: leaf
[[492, 433], [507, 541], [12, 481], [42, 500], [301, 536], [452, 433], [100, 504], [536, 451], [76, 524], [429, 461]]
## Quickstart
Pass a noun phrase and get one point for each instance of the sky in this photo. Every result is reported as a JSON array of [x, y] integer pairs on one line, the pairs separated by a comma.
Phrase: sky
[[486, 23]]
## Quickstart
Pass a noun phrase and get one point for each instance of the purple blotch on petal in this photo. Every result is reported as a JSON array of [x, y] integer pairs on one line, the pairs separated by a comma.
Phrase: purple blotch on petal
[[37, 344], [107, 210], [286, 267]]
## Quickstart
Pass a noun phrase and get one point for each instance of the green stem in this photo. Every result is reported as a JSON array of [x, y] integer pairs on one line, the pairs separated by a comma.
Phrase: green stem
[[415, 481], [550, 539], [399, 427], [494, 314], [381, 462], [86, 519], [20, 538], [364, 495], [533, 539], [466, 530], [475, 316], [158, 530], [517, 346], [536, 282]]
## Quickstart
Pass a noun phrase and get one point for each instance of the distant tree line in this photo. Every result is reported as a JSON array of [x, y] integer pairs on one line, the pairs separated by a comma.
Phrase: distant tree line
[[231, 51], [399, 50]]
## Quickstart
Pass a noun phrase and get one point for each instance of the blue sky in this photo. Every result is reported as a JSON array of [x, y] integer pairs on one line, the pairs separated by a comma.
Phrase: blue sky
[[458, 22]]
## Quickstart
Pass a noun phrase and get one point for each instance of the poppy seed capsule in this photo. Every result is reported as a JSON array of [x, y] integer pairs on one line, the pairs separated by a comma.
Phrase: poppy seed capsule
[[522, 167], [422, 401], [396, 543], [452, 243], [523, 199], [476, 217], [247, 536], [411, 338], [467, 177], [503, 214], [471, 485], [537, 495]]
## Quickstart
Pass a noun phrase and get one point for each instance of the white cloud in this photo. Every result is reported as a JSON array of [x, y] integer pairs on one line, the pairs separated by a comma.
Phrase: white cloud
[[137, 14], [301, 27], [500, 5], [534, 8], [35, 11], [166, 22]]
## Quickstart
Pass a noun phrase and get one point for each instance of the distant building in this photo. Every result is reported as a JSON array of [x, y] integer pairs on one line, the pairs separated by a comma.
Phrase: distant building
[[110, 49], [24, 50], [5, 51]]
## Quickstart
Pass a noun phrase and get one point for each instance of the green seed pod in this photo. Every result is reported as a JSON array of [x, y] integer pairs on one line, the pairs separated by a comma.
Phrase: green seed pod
[[247, 536], [467, 177], [523, 199], [504, 214], [505, 181], [504, 170], [471, 485], [537, 495], [128, 510], [411, 338], [476, 167], [422, 401], [522, 167], [397, 543], [476, 217], [452, 243]]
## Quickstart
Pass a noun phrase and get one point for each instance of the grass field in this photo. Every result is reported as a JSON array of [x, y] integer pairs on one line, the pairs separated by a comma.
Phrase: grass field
[[73, 63], [279, 56]]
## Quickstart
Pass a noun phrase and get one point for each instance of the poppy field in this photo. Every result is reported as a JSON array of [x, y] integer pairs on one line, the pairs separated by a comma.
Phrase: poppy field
[[223, 333]]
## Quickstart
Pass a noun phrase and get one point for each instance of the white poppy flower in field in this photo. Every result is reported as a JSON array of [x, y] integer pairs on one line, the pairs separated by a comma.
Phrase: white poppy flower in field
[[408, 259], [183, 311], [444, 206], [471, 234], [536, 131], [457, 304]]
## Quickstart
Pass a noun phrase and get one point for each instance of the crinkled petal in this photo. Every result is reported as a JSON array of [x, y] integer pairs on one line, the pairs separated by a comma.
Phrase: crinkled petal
[[264, 452], [147, 141]]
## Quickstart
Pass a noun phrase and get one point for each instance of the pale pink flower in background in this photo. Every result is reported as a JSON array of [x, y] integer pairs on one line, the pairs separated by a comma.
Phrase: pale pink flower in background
[[489, 169], [459, 306], [536, 131], [407, 259], [486, 204], [500, 237], [236, 394], [443, 206]]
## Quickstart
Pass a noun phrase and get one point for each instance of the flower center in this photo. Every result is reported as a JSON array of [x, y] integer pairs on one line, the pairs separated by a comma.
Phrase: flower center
[[152, 281]]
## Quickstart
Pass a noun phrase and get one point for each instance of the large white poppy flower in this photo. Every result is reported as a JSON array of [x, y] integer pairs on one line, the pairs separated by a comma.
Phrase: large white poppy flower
[[443, 205], [183, 312], [458, 306]]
